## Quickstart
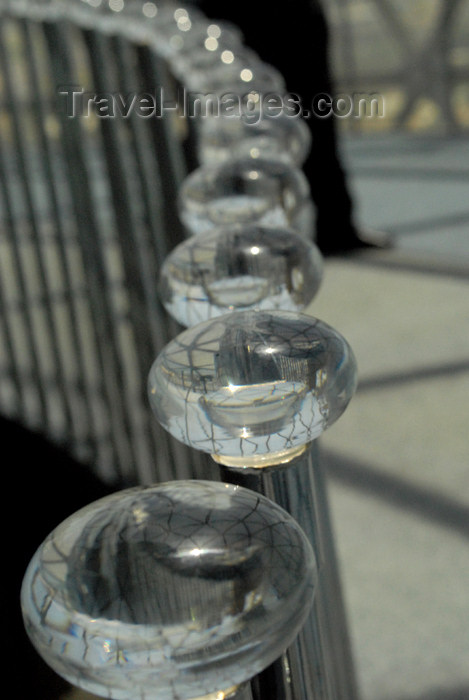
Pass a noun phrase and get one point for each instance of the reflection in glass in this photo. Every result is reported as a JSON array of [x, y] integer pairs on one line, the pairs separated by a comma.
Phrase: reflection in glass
[[236, 268], [282, 136], [266, 191], [169, 592], [252, 383]]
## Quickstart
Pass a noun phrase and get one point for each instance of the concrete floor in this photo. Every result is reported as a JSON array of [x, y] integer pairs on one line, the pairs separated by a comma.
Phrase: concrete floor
[[399, 457]]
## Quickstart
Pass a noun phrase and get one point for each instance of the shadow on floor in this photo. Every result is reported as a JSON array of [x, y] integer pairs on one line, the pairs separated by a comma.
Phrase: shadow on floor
[[440, 510], [441, 694]]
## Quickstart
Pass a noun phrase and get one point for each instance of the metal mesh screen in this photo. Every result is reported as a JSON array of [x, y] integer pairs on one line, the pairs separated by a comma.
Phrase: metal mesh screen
[[87, 215]]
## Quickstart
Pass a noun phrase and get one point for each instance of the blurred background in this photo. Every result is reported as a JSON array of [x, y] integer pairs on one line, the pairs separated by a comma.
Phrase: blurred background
[[415, 54]]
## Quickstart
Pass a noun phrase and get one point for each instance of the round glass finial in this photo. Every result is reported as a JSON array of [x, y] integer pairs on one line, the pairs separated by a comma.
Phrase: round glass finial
[[265, 191], [165, 14], [238, 268], [240, 93], [170, 592], [250, 387], [252, 77], [253, 135], [228, 62], [220, 40], [175, 29]]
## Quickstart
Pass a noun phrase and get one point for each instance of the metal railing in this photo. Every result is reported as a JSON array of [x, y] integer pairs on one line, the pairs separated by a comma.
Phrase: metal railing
[[88, 208], [88, 215]]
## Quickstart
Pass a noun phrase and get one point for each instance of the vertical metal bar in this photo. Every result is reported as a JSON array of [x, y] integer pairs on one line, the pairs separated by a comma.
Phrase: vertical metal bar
[[48, 331], [77, 164], [440, 45], [147, 230], [150, 238], [172, 157], [319, 664], [40, 111], [12, 237], [139, 281], [11, 361], [21, 309], [166, 145], [148, 174]]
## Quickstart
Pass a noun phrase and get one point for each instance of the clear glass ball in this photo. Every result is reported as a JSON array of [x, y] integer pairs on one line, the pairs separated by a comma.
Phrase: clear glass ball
[[276, 135], [156, 13], [161, 13], [266, 191], [169, 592], [219, 42], [229, 63], [168, 28], [252, 384], [238, 267], [241, 93], [253, 77]]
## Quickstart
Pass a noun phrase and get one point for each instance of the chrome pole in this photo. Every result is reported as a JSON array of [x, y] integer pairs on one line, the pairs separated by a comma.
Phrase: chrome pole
[[299, 487], [255, 265], [255, 389]]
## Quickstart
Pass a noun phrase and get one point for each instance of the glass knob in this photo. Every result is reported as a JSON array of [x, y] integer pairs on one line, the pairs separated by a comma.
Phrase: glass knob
[[183, 34], [284, 136], [169, 592], [237, 268], [220, 49], [253, 385], [230, 63], [266, 191], [167, 27], [236, 93], [256, 76], [159, 13]]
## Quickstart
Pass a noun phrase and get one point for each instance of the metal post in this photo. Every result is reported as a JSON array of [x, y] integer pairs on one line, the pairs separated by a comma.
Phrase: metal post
[[319, 665], [255, 389]]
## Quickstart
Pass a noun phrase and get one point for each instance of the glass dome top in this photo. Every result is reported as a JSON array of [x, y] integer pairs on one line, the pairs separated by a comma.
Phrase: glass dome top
[[283, 136], [169, 592], [221, 39], [241, 191], [252, 384], [236, 268]]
